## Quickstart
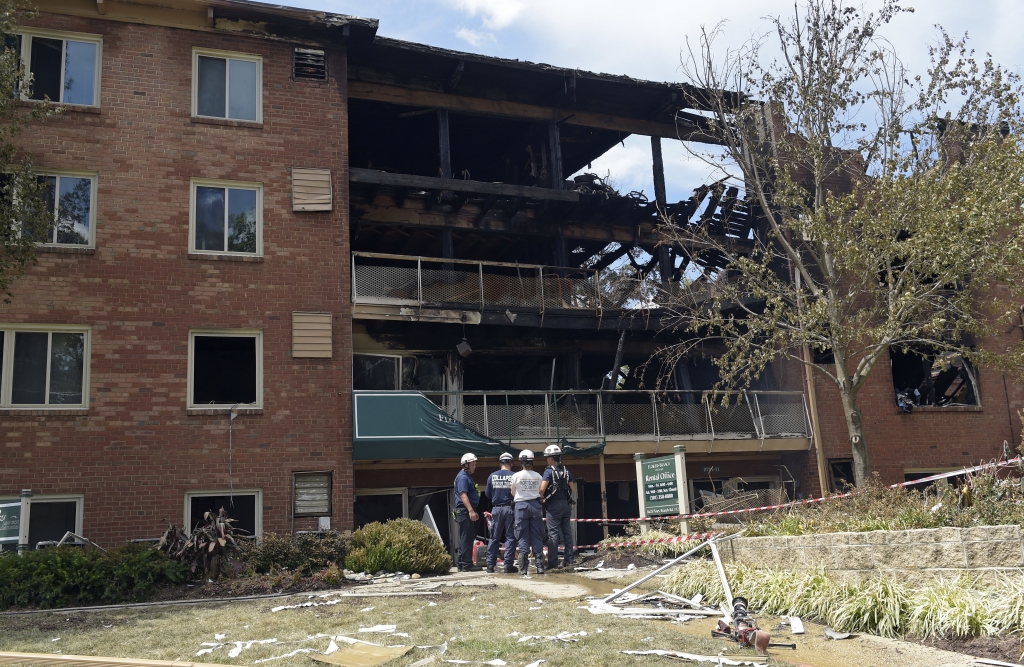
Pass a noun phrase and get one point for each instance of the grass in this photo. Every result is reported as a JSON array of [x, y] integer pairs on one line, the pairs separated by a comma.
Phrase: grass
[[475, 623], [982, 500], [946, 609]]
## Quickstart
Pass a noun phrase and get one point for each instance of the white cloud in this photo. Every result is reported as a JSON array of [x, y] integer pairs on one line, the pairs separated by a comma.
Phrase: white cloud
[[496, 14], [475, 37]]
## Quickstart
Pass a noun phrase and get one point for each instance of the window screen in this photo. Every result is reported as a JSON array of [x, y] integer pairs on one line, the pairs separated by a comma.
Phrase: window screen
[[224, 370]]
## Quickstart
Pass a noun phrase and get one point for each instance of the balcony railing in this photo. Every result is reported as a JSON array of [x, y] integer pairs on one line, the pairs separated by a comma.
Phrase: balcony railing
[[627, 415], [404, 280]]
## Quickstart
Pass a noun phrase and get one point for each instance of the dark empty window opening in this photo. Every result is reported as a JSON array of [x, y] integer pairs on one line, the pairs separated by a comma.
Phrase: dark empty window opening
[[224, 370], [375, 372], [309, 64], [924, 377], [841, 473], [240, 507]]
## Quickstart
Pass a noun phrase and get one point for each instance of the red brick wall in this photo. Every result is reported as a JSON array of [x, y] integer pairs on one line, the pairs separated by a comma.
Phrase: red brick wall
[[137, 451], [928, 437]]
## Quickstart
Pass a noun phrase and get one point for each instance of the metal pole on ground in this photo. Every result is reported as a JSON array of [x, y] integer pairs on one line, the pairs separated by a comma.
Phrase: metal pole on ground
[[661, 569]]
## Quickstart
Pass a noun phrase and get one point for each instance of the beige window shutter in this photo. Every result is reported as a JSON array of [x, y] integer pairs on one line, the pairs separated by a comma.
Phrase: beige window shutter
[[311, 335], [311, 189]]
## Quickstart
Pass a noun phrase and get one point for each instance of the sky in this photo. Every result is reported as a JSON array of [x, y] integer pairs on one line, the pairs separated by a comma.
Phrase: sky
[[645, 38]]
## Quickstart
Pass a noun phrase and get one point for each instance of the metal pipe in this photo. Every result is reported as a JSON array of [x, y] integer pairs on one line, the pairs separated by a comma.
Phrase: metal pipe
[[661, 569]]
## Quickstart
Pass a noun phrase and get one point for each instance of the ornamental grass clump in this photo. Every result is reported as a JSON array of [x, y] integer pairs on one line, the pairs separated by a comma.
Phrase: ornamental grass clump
[[946, 608], [400, 545]]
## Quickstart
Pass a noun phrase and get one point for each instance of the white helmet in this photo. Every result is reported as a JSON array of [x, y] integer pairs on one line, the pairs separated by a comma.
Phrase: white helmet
[[468, 458], [552, 450], [505, 458], [526, 455]]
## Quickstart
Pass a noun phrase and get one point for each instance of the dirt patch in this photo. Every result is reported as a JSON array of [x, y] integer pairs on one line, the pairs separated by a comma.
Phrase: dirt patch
[[258, 585], [64, 623], [1005, 649], [620, 558]]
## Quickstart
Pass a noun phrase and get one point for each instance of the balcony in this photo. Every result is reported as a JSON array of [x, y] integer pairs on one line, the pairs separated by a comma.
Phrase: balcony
[[752, 421], [428, 287]]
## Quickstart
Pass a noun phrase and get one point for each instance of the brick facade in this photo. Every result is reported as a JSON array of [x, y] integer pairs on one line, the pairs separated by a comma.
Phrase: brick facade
[[137, 450]]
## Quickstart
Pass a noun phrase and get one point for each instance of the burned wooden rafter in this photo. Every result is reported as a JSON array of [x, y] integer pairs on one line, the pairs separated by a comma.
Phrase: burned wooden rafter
[[452, 82], [610, 258], [370, 176], [485, 208]]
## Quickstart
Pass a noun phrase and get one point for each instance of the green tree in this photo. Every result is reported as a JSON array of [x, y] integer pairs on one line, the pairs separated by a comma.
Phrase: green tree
[[890, 202], [26, 215]]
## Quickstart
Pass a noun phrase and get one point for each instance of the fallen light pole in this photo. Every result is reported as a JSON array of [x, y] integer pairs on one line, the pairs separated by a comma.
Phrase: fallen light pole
[[666, 566]]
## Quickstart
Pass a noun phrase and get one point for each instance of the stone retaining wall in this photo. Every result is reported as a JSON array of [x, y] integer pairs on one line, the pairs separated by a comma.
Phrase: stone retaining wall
[[912, 554]]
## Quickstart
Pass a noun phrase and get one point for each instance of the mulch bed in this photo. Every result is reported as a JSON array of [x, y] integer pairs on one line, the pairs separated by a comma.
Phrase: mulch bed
[[620, 558], [259, 585], [1005, 649]]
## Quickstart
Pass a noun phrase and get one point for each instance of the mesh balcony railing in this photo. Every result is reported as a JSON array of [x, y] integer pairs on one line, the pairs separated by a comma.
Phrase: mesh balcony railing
[[598, 415]]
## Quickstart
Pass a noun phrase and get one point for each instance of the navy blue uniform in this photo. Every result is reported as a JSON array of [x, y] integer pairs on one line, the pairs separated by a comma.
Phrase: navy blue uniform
[[559, 515], [467, 527], [499, 490]]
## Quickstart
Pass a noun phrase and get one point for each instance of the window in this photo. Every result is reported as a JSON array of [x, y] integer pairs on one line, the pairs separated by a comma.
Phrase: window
[[311, 493], [50, 517], [924, 377], [245, 506], [227, 85], [225, 369], [388, 372], [70, 200], [65, 67], [841, 473], [40, 367], [226, 217]]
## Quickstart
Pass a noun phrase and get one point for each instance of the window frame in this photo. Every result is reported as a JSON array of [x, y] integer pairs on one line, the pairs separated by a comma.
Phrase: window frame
[[258, 492], [197, 183], [7, 365], [26, 56], [225, 333], [227, 55], [398, 368], [78, 498], [72, 173]]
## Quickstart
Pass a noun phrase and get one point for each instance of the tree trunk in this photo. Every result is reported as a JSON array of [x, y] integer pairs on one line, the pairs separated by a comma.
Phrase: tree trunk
[[858, 446]]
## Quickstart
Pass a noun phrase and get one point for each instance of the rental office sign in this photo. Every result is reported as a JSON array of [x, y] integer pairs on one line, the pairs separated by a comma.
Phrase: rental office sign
[[662, 485]]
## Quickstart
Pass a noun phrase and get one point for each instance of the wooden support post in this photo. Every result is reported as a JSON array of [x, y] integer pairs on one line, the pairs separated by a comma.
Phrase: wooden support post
[[682, 487], [661, 199], [555, 156], [819, 450], [604, 494], [639, 458], [444, 144]]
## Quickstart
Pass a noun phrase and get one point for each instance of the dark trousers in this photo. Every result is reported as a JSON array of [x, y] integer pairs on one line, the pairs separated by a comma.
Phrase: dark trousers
[[502, 529], [530, 528], [467, 535], [559, 530]]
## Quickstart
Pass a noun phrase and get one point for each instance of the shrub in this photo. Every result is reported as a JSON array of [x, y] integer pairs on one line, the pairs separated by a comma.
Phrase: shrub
[[208, 551], [308, 553], [62, 576], [400, 545]]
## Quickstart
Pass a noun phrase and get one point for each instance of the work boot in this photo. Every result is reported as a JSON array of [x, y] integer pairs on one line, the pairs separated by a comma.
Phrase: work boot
[[490, 569], [539, 563], [524, 564]]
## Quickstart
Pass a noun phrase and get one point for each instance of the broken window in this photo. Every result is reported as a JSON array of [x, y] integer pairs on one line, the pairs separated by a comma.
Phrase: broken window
[[923, 377], [309, 64], [422, 374], [226, 369], [69, 200], [63, 70], [376, 372], [841, 473], [227, 87], [244, 507]]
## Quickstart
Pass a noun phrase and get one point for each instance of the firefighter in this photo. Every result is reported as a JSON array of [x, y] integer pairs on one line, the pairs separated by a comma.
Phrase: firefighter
[[499, 490], [529, 514], [466, 500], [559, 492]]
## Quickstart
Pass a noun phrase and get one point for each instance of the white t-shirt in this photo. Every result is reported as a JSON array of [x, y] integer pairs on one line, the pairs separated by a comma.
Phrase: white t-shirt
[[527, 483]]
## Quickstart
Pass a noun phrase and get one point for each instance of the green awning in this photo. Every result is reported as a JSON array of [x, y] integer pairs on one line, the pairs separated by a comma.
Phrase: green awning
[[408, 425]]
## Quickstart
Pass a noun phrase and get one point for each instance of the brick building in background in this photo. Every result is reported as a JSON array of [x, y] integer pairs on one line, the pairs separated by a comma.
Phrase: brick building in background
[[204, 257], [200, 260]]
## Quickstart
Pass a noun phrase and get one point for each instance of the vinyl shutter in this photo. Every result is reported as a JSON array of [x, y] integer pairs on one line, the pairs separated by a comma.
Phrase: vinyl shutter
[[312, 494], [311, 189], [311, 335]]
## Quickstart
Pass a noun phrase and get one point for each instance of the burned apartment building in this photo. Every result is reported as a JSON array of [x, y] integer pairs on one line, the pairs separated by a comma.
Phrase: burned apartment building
[[298, 268]]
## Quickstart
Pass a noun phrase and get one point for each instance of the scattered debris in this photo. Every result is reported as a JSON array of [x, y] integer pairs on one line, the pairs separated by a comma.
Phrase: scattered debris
[[560, 637], [987, 661], [532, 664], [832, 634], [363, 654], [743, 629], [796, 625], [286, 655], [380, 628], [716, 659], [496, 662]]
